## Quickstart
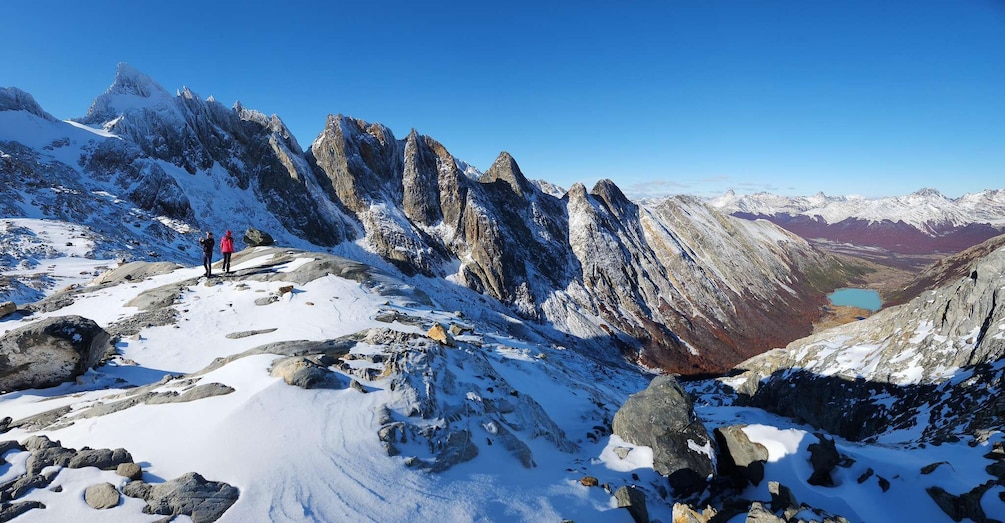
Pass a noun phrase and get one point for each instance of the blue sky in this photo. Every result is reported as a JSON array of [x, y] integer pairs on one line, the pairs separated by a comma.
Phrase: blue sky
[[792, 97]]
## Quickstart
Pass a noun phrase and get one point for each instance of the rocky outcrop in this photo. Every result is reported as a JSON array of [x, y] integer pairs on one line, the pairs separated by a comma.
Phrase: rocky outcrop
[[49, 352], [662, 417], [189, 494]]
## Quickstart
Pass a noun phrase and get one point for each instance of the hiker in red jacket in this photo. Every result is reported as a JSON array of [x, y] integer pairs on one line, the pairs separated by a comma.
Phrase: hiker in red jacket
[[227, 248]]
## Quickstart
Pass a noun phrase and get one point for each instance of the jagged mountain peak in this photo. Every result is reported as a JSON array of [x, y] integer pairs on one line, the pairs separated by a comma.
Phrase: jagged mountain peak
[[129, 80], [928, 192], [506, 169], [14, 99]]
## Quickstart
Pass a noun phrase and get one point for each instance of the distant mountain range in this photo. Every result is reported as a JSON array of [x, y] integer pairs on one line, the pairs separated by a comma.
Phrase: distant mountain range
[[922, 222], [678, 286]]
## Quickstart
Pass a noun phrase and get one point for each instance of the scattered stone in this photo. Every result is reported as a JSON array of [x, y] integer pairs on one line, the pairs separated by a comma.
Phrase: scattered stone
[[589, 481], [635, 501], [622, 452], [102, 496], [285, 289], [266, 300], [866, 475], [355, 385], [884, 483], [129, 470], [440, 334], [458, 330]]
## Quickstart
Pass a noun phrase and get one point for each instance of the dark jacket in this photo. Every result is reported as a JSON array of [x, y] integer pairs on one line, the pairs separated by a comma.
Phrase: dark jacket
[[208, 243]]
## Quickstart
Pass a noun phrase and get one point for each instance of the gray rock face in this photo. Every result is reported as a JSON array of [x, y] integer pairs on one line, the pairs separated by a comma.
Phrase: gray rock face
[[662, 417], [102, 496], [189, 494], [50, 352]]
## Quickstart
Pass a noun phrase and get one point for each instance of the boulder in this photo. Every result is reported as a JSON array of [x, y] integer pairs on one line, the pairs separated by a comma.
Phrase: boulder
[[189, 494], [102, 496], [739, 458], [49, 352], [662, 417], [305, 373], [635, 501], [7, 307], [824, 458], [129, 470], [256, 238], [439, 333]]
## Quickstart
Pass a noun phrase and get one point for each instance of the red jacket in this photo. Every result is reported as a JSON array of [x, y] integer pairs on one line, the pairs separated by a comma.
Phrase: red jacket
[[227, 244]]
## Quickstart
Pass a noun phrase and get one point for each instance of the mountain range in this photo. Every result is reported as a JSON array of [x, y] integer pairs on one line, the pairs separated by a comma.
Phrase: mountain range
[[404, 337], [922, 222], [664, 285]]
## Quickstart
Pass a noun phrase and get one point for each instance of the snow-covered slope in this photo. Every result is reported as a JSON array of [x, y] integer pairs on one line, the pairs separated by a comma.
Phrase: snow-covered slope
[[199, 381]]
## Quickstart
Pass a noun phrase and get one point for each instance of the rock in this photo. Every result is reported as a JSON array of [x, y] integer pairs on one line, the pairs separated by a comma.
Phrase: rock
[[9, 511], [104, 459], [285, 289], [739, 458], [189, 494], [355, 385], [589, 481], [257, 238], [662, 417], [759, 514], [635, 501], [685, 514], [458, 330], [457, 448], [266, 300], [782, 497], [440, 334], [967, 505], [49, 352], [305, 373], [7, 307], [928, 469], [823, 457], [129, 470], [622, 452], [102, 496]]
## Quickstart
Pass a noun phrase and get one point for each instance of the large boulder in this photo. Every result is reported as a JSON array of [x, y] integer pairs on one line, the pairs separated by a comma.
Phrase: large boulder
[[189, 494], [739, 458], [257, 238], [662, 417], [49, 352]]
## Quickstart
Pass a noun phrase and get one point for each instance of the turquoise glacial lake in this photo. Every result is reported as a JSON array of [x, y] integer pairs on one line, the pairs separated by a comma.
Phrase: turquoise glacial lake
[[862, 298]]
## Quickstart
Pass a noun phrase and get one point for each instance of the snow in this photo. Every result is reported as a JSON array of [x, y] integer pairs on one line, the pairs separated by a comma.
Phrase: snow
[[314, 455]]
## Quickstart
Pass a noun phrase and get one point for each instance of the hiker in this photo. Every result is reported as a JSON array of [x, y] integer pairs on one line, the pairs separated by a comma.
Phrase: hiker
[[227, 248], [208, 244]]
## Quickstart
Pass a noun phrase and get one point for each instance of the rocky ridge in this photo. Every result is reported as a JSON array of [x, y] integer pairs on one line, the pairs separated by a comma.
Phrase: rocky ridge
[[173, 165]]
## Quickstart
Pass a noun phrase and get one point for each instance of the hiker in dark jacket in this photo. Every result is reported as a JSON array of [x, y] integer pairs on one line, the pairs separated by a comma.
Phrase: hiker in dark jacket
[[208, 244], [226, 248]]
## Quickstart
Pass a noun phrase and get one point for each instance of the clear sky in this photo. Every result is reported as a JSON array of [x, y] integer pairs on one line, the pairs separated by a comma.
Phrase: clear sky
[[793, 97]]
